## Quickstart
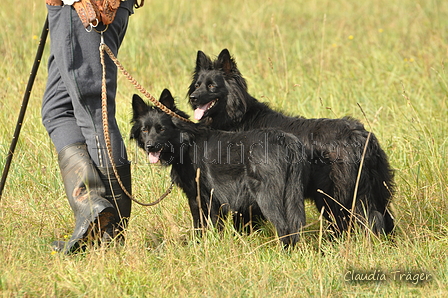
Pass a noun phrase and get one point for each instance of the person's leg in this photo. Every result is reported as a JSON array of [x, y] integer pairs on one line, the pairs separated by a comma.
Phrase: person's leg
[[86, 69], [73, 94], [71, 114]]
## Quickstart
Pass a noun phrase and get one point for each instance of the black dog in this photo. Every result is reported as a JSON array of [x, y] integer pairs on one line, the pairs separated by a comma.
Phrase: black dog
[[218, 94], [260, 173]]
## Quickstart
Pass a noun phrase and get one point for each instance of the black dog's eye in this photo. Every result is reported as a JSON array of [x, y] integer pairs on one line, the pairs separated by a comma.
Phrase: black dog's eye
[[145, 129], [196, 85]]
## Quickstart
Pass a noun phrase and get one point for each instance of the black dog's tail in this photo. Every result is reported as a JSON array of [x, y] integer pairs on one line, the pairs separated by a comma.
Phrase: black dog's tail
[[337, 155], [377, 171], [373, 191]]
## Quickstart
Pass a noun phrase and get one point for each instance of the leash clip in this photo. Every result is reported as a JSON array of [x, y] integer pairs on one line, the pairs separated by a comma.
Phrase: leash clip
[[102, 38], [101, 34]]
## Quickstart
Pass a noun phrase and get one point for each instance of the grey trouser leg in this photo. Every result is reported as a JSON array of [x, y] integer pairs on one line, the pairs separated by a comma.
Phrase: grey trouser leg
[[71, 107]]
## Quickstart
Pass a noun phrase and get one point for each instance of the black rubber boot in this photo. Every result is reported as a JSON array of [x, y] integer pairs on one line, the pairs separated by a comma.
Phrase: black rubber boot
[[116, 195], [86, 193]]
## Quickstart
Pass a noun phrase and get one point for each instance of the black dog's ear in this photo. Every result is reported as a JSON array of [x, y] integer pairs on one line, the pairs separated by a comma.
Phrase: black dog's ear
[[167, 99], [202, 61], [139, 107], [225, 62]]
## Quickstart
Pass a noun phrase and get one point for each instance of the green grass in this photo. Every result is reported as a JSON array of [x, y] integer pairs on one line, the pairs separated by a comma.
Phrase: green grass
[[314, 58]]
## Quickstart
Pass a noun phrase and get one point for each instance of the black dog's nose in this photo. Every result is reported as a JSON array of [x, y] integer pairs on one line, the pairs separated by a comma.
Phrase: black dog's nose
[[151, 147], [193, 99]]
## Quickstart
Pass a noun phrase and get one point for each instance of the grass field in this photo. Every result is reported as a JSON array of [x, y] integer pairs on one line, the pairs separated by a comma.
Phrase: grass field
[[313, 58]]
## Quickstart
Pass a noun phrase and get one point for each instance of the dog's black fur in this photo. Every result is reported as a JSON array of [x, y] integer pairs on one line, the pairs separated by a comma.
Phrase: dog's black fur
[[260, 173], [218, 94]]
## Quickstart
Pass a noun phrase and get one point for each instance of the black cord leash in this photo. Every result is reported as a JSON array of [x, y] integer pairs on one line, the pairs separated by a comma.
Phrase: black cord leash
[[26, 97]]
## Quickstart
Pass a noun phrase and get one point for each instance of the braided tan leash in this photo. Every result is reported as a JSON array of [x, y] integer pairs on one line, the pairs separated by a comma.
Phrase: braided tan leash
[[105, 48]]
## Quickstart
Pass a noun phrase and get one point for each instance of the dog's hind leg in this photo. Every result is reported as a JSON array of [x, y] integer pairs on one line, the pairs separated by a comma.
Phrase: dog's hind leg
[[284, 210], [294, 200], [273, 209]]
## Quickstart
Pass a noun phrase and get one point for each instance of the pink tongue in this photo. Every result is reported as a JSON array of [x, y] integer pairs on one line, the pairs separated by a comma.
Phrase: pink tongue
[[199, 112], [154, 157]]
